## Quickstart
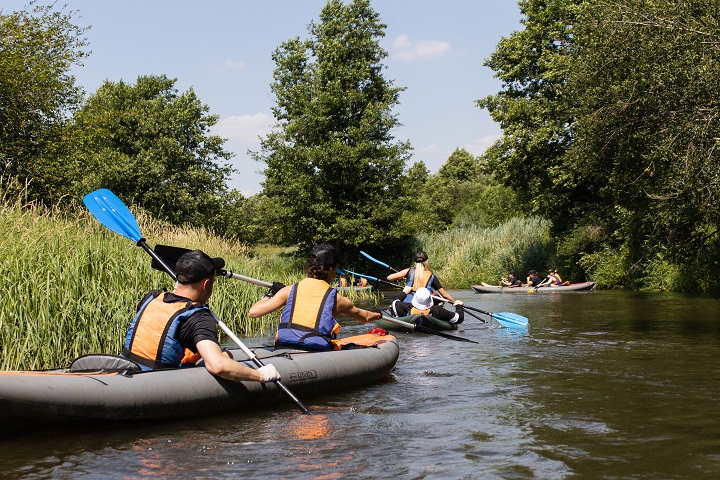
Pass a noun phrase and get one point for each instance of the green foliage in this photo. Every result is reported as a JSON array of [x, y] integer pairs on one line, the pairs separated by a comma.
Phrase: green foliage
[[38, 49], [459, 195], [152, 147], [646, 84], [332, 166]]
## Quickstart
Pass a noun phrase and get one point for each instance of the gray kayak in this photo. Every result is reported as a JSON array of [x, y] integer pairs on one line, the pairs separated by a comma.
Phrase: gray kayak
[[573, 287], [103, 388]]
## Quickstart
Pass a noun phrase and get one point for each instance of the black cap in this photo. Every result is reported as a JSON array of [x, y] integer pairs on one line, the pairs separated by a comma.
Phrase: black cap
[[196, 265], [323, 255], [420, 257]]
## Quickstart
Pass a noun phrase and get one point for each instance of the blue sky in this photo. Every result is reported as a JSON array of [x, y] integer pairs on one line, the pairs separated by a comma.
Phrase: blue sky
[[222, 49]]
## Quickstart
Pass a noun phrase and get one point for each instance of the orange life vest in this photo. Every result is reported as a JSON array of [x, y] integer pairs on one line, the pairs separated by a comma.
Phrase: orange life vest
[[151, 339], [307, 319]]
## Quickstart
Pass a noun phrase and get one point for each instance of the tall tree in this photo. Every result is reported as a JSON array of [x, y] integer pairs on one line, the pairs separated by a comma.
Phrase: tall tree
[[38, 49], [332, 165], [152, 147], [531, 108]]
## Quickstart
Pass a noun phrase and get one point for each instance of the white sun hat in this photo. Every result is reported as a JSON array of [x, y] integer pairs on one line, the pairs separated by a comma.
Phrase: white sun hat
[[422, 300]]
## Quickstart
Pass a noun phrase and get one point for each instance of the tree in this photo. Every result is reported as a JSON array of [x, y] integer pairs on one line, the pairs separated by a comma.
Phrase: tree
[[332, 166], [38, 49], [646, 85], [532, 109], [152, 147]]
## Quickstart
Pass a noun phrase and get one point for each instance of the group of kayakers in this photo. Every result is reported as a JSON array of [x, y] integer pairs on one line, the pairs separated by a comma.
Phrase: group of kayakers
[[177, 329], [533, 280]]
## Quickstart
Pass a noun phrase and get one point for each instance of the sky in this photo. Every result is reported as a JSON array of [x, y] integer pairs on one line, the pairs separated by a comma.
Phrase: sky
[[222, 49]]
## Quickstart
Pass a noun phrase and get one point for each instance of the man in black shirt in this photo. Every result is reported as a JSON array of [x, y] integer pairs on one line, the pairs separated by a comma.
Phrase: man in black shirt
[[175, 329]]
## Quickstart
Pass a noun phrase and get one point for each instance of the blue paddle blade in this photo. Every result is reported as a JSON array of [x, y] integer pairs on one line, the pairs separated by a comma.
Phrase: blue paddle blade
[[374, 259], [510, 320], [109, 210]]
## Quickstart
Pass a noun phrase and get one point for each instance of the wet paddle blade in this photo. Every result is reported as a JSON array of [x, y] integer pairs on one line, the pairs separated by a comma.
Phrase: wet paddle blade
[[109, 210], [510, 320]]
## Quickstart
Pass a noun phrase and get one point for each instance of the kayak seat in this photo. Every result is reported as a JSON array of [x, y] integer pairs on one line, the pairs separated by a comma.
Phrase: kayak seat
[[102, 362]]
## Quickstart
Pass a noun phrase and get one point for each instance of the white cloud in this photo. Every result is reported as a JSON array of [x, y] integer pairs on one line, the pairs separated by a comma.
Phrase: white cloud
[[244, 128], [231, 66], [479, 145], [405, 48]]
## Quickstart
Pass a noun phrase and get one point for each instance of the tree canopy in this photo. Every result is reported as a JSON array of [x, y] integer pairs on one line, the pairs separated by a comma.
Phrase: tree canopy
[[332, 164], [151, 146], [609, 112], [38, 49]]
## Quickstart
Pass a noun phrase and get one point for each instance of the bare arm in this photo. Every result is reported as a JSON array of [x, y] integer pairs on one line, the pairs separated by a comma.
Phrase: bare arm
[[223, 366], [398, 275], [268, 305], [346, 307], [445, 294]]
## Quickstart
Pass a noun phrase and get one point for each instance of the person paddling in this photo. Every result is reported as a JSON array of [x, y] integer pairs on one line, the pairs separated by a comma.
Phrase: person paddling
[[420, 276], [176, 329], [422, 303], [308, 320]]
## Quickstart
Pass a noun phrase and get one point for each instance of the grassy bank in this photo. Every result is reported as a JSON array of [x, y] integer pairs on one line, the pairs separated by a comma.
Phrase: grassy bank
[[70, 286], [467, 256]]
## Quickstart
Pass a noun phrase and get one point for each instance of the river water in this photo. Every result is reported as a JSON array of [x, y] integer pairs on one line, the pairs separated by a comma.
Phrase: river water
[[601, 385]]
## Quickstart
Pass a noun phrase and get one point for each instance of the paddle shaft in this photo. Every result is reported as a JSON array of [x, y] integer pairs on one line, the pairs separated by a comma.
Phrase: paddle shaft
[[377, 261]]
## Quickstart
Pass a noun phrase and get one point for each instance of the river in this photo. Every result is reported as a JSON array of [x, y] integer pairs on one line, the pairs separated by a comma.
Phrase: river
[[603, 384]]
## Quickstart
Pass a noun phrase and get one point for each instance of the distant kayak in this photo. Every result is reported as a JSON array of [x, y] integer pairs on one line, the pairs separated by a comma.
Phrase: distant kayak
[[425, 320], [573, 287], [105, 388]]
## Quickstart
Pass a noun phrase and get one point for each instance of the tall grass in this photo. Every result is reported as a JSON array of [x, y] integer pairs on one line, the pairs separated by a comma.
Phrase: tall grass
[[470, 255], [70, 286]]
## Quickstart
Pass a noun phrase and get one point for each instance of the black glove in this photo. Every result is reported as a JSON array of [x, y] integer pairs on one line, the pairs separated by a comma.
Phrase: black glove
[[276, 287]]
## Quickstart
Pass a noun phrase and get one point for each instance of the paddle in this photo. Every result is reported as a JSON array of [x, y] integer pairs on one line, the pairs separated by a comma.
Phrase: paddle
[[109, 210], [506, 319], [377, 261], [417, 327], [169, 256], [374, 279]]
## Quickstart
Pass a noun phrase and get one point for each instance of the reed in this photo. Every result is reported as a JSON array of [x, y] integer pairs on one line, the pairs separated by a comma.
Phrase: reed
[[70, 286], [471, 255]]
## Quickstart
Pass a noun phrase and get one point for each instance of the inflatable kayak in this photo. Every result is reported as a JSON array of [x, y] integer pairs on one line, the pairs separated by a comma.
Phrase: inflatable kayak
[[425, 320], [104, 388], [573, 287]]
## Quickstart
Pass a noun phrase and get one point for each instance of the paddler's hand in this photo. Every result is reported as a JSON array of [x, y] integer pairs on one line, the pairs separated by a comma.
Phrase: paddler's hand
[[268, 373], [276, 287], [458, 303]]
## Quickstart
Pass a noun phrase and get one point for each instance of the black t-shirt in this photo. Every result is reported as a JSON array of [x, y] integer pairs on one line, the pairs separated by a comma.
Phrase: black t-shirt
[[199, 326]]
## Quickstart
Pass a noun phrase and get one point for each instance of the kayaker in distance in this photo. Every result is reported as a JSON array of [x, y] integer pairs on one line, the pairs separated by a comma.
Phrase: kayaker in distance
[[512, 281], [420, 276], [422, 303], [533, 280], [175, 329], [312, 305], [553, 279]]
